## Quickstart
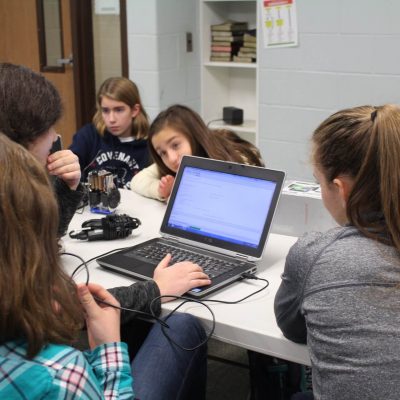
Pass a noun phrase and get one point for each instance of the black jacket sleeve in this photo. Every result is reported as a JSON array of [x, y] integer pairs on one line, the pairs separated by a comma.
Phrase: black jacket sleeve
[[68, 201], [137, 297]]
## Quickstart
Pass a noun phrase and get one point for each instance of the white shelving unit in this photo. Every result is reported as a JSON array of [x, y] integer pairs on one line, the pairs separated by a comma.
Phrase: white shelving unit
[[228, 84]]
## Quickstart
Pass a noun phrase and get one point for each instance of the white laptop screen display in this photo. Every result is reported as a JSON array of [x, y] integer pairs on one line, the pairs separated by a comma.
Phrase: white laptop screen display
[[222, 206]]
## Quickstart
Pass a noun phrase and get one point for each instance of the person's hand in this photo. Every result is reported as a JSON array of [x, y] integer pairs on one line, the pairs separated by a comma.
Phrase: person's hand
[[65, 165], [178, 278], [102, 321], [165, 186]]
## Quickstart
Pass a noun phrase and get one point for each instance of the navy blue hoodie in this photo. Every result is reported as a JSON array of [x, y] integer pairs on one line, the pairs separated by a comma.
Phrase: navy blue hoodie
[[124, 159]]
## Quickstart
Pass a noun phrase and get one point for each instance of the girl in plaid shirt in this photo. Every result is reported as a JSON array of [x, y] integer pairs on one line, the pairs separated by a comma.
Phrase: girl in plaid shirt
[[41, 309]]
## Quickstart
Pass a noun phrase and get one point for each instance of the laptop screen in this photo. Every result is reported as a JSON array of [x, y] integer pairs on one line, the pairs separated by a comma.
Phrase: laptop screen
[[223, 204]]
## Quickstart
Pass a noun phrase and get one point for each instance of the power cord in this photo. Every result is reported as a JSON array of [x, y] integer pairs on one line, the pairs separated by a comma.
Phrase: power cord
[[245, 275], [184, 299], [214, 120], [85, 264]]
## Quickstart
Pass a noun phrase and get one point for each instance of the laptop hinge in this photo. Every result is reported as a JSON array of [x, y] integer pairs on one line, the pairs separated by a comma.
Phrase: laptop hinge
[[238, 255], [172, 239]]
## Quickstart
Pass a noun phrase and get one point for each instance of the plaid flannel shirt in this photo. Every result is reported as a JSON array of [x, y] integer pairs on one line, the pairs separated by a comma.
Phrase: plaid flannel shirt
[[62, 372]]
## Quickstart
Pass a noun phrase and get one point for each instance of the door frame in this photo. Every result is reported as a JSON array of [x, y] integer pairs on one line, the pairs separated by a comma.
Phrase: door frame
[[83, 51], [82, 48]]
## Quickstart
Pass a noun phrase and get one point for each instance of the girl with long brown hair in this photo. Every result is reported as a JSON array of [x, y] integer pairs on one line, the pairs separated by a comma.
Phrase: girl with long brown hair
[[340, 289], [179, 131], [41, 309]]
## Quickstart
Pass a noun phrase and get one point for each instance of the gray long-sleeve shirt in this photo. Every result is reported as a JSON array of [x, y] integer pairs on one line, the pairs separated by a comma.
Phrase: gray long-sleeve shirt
[[340, 293]]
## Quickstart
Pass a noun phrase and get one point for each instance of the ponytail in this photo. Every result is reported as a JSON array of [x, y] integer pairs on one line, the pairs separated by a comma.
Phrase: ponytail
[[364, 143], [387, 132]]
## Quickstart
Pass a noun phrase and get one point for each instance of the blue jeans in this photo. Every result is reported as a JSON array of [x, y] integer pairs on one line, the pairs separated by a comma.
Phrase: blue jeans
[[163, 371], [302, 396]]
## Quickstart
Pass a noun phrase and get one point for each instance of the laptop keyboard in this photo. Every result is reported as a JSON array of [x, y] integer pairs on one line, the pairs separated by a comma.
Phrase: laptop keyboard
[[212, 266]]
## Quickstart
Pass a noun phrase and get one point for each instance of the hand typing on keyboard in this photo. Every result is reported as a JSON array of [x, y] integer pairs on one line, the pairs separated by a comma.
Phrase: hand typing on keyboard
[[178, 278]]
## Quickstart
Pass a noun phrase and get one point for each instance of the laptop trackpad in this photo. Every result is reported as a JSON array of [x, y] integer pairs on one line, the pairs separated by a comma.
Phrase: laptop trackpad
[[141, 269]]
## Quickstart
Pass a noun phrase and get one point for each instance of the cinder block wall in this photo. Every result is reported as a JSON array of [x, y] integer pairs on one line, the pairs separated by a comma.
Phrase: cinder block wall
[[347, 55], [158, 62]]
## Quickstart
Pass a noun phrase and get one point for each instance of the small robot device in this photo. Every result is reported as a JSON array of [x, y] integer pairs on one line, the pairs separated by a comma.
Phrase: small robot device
[[104, 196]]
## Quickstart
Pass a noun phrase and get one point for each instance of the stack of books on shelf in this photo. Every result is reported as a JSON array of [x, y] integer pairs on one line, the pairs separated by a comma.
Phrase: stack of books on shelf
[[248, 51], [226, 39]]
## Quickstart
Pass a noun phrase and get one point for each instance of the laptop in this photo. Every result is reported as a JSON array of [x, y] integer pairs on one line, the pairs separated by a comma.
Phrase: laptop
[[219, 216]]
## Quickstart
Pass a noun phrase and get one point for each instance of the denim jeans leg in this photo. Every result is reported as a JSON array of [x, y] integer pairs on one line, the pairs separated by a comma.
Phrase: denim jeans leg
[[163, 371]]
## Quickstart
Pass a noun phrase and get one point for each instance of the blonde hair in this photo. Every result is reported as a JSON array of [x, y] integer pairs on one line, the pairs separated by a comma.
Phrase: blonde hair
[[38, 302], [364, 143], [124, 90]]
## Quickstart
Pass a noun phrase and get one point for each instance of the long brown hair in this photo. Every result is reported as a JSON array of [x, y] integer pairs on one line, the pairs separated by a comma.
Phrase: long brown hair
[[124, 90], [38, 300], [364, 143], [219, 144]]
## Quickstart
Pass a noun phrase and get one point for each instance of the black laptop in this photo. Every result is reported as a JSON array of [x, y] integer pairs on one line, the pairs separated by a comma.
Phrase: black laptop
[[218, 216]]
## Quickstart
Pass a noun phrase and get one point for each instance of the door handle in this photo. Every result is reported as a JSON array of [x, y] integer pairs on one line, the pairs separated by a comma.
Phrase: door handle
[[65, 61]]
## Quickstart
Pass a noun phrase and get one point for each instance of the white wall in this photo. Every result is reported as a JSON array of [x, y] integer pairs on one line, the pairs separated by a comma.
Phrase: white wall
[[348, 55], [158, 62]]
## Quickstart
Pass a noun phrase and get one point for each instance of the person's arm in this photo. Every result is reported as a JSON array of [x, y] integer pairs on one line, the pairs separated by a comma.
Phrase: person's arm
[[108, 358], [68, 201], [64, 165], [289, 297], [101, 373], [172, 280], [165, 186], [104, 371], [137, 296], [111, 366], [146, 182]]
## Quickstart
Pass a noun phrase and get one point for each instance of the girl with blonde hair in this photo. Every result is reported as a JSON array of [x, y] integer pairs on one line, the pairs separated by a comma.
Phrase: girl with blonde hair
[[116, 140]]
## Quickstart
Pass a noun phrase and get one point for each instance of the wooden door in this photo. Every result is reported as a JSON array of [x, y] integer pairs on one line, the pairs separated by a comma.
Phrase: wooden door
[[19, 44], [64, 81]]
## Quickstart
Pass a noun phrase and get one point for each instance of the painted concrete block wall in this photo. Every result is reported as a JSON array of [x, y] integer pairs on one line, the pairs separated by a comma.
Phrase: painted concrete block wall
[[158, 62], [347, 56]]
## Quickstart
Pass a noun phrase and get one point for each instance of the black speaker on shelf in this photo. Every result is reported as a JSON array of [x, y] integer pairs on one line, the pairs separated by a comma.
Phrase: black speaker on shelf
[[232, 115]]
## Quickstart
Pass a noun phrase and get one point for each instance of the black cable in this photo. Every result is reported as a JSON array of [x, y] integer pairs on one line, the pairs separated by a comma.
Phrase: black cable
[[85, 198], [145, 314], [243, 276], [213, 120], [85, 264], [152, 314], [185, 300]]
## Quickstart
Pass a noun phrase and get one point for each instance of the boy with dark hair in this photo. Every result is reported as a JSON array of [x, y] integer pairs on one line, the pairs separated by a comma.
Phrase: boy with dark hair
[[30, 106]]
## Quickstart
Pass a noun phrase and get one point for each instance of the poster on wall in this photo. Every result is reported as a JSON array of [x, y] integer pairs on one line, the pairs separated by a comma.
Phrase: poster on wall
[[279, 23]]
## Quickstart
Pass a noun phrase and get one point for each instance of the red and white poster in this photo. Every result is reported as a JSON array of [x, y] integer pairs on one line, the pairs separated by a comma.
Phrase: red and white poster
[[279, 23]]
